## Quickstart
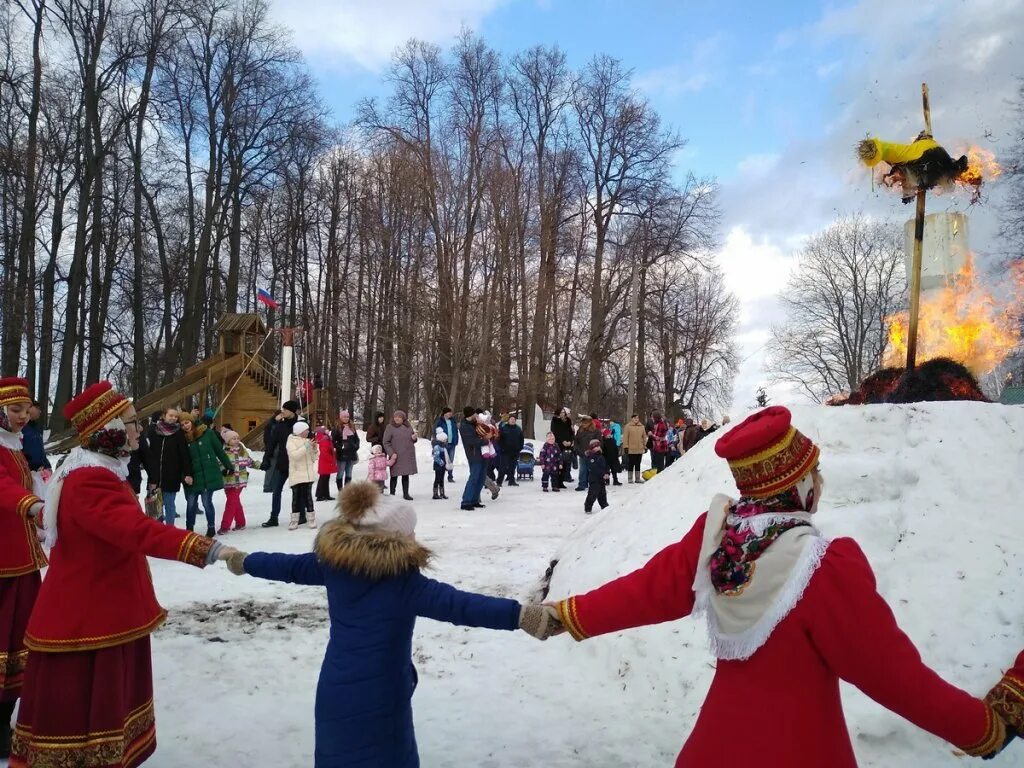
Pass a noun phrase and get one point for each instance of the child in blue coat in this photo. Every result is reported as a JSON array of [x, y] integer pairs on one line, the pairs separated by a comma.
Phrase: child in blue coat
[[370, 563]]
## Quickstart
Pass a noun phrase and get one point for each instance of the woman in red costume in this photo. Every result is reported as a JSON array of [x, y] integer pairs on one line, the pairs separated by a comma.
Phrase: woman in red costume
[[21, 557], [789, 614], [87, 698]]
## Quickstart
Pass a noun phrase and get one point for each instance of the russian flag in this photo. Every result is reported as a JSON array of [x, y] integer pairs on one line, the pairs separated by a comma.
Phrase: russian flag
[[263, 295]]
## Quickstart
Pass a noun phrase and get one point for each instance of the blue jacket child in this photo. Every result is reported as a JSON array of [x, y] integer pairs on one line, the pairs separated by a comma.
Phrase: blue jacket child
[[369, 561]]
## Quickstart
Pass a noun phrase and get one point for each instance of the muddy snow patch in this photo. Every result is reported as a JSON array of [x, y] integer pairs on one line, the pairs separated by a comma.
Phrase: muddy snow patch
[[224, 620]]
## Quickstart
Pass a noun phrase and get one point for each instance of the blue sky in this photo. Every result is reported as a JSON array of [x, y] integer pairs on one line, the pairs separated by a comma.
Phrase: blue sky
[[770, 96]]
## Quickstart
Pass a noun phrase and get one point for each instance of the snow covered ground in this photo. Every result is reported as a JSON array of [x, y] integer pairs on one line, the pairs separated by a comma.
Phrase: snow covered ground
[[932, 493]]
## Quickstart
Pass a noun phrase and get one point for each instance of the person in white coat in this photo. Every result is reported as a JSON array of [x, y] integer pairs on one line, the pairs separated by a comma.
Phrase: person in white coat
[[303, 462]]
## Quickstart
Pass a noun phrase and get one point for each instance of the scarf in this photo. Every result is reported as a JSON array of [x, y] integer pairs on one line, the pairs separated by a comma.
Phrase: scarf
[[165, 429], [346, 430], [756, 560], [78, 458]]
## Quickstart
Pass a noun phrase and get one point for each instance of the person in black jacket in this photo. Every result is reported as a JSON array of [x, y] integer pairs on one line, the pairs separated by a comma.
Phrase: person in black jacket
[[346, 447], [471, 444], [597, 477], [510, 443], [275, 448], [610, 450], [167, 460], [561, 426]]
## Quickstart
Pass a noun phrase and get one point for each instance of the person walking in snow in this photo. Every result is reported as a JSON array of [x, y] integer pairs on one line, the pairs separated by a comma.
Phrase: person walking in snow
[[610, 449], [550, 464], [597, 476], [303, 464], [327, 464], [634, 443], [234, 484], [209, 466], [439, 454], [585, 433], [371, 564], [511, 441], [472, 444], [789, 614], [346, 447], [400, 446], [377, 467], [450, 426]]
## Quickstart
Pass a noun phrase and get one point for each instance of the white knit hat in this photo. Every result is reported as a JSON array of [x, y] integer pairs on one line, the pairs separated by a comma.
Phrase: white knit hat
[[299, 427], [441, 436]]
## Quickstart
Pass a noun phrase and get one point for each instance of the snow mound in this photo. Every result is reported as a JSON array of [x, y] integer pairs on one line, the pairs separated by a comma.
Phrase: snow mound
[[932, 492]]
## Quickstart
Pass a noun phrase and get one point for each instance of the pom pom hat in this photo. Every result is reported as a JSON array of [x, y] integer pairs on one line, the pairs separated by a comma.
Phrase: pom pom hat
[[767, 454], [14, 391], [92, 410]]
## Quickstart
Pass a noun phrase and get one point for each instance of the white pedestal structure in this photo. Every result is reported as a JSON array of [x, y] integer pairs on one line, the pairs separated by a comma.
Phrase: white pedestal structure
[[945, 252]]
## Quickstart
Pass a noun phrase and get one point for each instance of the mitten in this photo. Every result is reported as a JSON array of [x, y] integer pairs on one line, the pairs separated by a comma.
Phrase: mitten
[[236, 563], [540, 621], [1007, 699]]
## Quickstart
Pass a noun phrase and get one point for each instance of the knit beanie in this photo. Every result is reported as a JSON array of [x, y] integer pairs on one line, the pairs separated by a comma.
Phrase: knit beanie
[[299, 427], [441, 436], [291, 405], [229, 435], [362, 505], [468, 411]]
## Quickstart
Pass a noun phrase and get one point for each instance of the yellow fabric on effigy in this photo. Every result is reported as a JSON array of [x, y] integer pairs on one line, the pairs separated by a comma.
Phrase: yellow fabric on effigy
[[873, 151]]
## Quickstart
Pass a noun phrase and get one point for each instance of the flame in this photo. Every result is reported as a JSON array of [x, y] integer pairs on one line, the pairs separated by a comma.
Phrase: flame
[[963, 321], [981, 166]]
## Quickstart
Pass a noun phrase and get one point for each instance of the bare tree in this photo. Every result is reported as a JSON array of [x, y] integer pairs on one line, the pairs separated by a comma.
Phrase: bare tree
[[848, 280]]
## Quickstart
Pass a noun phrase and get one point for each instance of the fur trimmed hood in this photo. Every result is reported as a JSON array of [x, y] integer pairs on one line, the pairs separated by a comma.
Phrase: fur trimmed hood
[[373, 554]]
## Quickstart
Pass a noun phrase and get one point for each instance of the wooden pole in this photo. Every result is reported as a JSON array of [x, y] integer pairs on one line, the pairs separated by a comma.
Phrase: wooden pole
[[915, 265], [633, 339]]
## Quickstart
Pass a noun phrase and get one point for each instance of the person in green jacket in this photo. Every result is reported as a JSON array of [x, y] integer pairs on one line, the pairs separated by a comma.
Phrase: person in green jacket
[[209, 465]]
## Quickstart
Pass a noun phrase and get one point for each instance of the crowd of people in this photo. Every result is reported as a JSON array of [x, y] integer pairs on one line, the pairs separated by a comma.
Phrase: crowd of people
[[182, 451]]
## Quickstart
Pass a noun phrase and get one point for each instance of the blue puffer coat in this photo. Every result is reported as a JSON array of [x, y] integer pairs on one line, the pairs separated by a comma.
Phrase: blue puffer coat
[[375, 591]]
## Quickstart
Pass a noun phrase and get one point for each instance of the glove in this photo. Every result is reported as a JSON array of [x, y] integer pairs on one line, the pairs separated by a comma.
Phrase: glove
[[540, 621], [236, 563], [1007, 699]]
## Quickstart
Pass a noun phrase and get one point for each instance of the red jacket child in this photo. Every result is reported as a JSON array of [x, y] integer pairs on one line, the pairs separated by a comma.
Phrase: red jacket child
[[328, 463], [789, 614]]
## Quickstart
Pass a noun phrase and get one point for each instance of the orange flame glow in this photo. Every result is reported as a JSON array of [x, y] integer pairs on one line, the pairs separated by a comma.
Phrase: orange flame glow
[[981, 167], [963, 321]]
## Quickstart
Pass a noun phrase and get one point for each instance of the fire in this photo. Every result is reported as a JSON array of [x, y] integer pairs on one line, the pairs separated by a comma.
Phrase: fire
[[981, 167], [963, 321]]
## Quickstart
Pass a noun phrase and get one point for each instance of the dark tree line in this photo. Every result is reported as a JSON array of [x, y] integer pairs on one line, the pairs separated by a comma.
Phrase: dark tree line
[[478, 235]]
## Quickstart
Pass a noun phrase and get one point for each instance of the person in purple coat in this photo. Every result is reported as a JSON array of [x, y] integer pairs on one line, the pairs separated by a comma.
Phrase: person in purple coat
[[370, 563]]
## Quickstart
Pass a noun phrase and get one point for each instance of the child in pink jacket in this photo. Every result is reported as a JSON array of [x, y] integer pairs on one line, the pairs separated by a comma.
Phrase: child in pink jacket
[[377, 467]]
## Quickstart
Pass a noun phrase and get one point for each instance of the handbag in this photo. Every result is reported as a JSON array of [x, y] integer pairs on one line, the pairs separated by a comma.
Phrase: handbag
[[155, 504]]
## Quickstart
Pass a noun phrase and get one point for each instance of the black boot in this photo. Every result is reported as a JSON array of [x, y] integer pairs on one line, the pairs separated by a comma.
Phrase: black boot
[[6, 710], [271, 523], [436, 495], [210, 532]]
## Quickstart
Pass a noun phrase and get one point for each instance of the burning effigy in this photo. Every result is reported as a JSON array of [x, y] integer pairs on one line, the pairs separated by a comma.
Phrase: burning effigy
[[924, 165]]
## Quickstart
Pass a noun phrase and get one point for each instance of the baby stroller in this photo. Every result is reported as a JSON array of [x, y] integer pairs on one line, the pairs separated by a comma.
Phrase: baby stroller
[[525, 462]]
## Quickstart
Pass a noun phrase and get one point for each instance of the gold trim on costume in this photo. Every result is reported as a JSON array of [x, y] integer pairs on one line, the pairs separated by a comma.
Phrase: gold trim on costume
[[570, 618], [12, 669], [121, 747], [94, 643], [194, 549], [995, 735]]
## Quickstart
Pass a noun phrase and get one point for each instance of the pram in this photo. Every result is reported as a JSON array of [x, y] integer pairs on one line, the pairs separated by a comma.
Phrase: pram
[[526, 462]]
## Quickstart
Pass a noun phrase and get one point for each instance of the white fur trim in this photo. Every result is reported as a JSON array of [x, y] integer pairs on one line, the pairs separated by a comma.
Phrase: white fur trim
[[78, 458], [760, 523], [10, 440]]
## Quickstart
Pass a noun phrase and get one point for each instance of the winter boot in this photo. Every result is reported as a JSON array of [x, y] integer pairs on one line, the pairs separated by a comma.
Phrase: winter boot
[[615, 480], [443, 495], [293, 524], [271, 523], [210, 532], [311, 519], [630, 478], [436, 495], [406, 496]]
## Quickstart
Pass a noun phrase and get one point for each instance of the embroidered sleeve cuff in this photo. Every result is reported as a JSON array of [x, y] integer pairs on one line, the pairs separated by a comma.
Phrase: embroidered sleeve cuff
[[569, 617], [994, 738], [194, 550], [27, 503], [1007, 698]]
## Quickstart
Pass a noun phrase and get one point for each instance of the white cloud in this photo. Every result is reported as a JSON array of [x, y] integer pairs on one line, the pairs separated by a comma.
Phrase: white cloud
[[688, 77], [757, 164], [342, 34]]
